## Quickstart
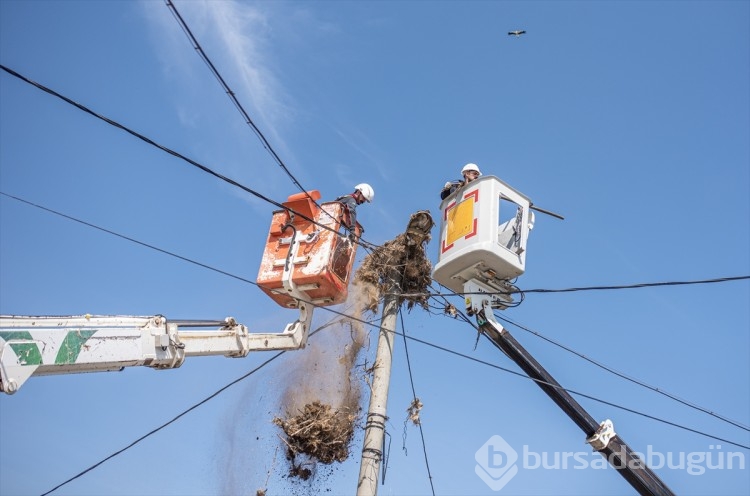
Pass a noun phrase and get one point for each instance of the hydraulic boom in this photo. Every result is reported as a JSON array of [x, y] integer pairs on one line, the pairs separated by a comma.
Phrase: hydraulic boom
[[34, 346], [602, 437]]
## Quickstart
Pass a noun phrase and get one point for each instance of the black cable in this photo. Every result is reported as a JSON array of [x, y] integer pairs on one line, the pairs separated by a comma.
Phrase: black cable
[[464, 317], [234, 183], [88, 224], [640, 285], [625, 376], [204, 400], [613, 371], [414, 395], [232, 96], [229, 91], [166, 252], [587, 288], [573, 392], [169, 151]]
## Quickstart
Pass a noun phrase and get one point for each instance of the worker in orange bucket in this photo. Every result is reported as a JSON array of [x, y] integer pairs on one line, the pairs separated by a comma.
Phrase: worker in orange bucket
[[469, 173], [363, 192]]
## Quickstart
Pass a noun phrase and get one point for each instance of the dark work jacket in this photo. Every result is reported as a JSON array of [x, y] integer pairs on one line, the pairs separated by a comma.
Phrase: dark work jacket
[[350, 205], [454, 185]]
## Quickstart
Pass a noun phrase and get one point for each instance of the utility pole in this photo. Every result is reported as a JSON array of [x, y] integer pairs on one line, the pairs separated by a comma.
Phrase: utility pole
[[408, 248], [372, 448]]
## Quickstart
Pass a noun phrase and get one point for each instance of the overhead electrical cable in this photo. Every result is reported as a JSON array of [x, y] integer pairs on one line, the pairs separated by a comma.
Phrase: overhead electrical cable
[[182, 414], [233, 96], [168, 150], [625, 376], [573, 392], [165, 252], [351, 317], [268, 147], [415, 400], [610, 369], [175, 255], [465, 318], [639, 285], [587, 288]]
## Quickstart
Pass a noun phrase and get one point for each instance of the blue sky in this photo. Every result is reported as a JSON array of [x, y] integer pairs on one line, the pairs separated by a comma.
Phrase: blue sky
[[631, 119]]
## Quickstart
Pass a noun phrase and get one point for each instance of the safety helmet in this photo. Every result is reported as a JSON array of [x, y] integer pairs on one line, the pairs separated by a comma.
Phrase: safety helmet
[[471, 167], [366, 191]]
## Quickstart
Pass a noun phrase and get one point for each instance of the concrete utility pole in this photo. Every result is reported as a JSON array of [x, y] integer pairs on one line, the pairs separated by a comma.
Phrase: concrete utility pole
[[416, 235], [372, 448]]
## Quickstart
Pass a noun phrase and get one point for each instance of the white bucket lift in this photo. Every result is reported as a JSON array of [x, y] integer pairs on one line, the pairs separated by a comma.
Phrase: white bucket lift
[[484, 228]]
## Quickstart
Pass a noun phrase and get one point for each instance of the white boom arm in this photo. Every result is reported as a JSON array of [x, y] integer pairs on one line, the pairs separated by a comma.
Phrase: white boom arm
[[66, 345]]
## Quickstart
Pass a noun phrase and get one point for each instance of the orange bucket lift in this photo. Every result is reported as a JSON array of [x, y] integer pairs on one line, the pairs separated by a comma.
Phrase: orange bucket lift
[[308, 258]]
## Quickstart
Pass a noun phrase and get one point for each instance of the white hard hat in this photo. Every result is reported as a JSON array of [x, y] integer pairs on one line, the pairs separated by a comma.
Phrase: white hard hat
[[471, 167], [366, 191]]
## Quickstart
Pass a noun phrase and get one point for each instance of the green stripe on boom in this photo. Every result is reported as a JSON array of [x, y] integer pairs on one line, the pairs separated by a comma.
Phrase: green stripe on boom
[[71, 346], [27, 353]]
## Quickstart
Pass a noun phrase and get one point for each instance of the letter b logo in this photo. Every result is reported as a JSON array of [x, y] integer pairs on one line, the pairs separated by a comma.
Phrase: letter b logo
[[496, 462]]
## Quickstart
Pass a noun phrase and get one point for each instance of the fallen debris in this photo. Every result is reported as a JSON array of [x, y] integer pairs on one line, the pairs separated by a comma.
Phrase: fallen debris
[[319, 432], [413, 411]]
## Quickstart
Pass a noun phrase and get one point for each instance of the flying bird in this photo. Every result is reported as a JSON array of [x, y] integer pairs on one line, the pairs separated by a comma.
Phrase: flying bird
[[516, 33]]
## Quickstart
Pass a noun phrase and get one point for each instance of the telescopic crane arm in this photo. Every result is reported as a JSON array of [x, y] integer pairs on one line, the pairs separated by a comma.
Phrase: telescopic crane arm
[[306, 263], [35, 346], [601, 436], [483, 245]]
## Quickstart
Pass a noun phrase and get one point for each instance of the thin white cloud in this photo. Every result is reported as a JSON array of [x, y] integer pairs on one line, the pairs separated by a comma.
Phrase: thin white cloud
[[243, 33], [236, 38], [363, 145]]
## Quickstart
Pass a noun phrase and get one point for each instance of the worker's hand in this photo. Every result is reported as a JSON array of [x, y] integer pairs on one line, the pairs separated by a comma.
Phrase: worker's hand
[[447, 185]]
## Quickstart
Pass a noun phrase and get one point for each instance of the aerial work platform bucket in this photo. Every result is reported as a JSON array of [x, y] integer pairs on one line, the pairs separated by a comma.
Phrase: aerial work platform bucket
[[483, 232], [303, 259]]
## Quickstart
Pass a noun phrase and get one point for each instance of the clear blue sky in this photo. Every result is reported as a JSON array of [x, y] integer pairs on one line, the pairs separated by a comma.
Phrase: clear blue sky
[[629, 118]]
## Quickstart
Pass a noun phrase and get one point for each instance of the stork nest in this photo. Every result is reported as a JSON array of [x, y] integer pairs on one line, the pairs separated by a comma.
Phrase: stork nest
[[319, 432], [400, 263]]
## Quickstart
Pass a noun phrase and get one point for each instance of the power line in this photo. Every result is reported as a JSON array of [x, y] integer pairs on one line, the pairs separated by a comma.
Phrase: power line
[[415, 400], [571, 391], [180, 415], [353, 318], [232, 96], [171, 254], [626, 377], [269, 148], [639, 285], [170, 151], [480, 333], [585, 288], [166, 252], [230, 93], [613, 371]]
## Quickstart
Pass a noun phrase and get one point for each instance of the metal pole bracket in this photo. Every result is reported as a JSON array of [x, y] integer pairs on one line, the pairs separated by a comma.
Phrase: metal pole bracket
[[600, 439]]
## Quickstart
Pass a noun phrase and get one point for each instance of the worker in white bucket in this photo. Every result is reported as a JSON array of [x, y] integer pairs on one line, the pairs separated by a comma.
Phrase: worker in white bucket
[[469, 173], [363, 192]]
